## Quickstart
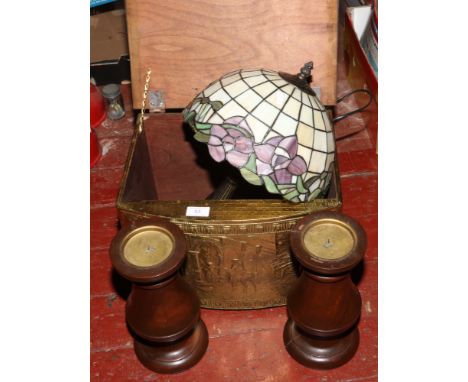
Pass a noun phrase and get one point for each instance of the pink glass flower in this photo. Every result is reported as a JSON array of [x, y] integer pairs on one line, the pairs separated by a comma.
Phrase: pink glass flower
[[231, 141], [278, 158]]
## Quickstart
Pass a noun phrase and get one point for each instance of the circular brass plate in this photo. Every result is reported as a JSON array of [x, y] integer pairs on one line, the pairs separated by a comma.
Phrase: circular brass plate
[[329, 239], [148, 247]]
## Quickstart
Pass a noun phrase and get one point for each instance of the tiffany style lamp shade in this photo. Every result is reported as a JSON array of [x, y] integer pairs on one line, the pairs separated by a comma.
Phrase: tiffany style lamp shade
[[269, 125]]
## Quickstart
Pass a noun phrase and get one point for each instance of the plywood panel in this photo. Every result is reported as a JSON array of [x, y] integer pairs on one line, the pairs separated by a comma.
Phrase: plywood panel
[[188, 44]]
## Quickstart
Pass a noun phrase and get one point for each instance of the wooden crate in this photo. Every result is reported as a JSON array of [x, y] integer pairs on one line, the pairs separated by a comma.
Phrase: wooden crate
[[239, 256], [189, 44]]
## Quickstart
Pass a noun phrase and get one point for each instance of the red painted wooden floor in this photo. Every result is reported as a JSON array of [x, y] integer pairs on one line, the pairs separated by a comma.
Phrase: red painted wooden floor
[[244, 345]]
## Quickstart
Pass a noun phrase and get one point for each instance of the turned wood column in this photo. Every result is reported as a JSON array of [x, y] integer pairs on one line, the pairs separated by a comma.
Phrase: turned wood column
[[324, 305], [162, 312]]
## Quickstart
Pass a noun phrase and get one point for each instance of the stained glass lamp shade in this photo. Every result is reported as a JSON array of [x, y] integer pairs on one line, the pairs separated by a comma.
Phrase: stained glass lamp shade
[[269, 125]]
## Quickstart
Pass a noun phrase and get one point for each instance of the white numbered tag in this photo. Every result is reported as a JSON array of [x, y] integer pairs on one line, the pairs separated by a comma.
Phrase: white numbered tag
[[198, 211]]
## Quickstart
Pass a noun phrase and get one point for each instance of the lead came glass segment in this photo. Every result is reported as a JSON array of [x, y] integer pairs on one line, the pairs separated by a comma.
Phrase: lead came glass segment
[[330, 142], [327, 122], [266, 113], [264, 90], [315, 183], [305, 134], [330, 159], [304, 152], [309, 175], [221, 95], [285, 125], [194, 105], [231, 79], [212, 89], [251, 73], [236, 88], [259, 128], [249, 99], [305, 100], [318, 120], [288, 88], [318, 161], [279, 82], [252, 81], [320, 141], [314, 102], [297, 95], [306, 116], [216, 119], [278, 99], [271, 134], [208, 115], [272, 77], [232, 108], [292, 108]]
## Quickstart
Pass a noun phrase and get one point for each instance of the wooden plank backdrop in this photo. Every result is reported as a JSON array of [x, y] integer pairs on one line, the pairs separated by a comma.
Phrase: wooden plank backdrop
[[189, 44]]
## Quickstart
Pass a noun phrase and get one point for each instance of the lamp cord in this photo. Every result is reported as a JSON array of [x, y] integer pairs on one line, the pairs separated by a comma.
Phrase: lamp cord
[[346, 115]]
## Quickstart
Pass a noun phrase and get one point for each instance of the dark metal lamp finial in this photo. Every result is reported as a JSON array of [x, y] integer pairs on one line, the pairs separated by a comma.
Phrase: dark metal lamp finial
[[305, 70], [301, 79]]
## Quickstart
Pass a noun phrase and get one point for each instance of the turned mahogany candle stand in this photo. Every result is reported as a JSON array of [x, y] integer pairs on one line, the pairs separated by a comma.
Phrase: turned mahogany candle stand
[[324, 305], [163, 312]]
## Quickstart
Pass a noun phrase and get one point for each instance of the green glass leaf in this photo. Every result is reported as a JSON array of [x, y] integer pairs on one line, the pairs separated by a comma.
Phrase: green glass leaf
[[202, 126], [216, 105], [250, 177], [291, 195], [300, 185], [238, 128], [270, 185], [310, 181], [206, 109], [201, 137], [285, 187], [190, 118], [315, 193], [250, 165]]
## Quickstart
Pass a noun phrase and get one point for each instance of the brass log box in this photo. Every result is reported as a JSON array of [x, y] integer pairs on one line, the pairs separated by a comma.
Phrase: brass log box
[[238, 249]]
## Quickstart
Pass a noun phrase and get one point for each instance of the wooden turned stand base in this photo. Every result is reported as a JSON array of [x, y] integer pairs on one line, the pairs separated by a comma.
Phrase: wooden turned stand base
[[324, 305], [162, 311], [174, 357], [319, 353]]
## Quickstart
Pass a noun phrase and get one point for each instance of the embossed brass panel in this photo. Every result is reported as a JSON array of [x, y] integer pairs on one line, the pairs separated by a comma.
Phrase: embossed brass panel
[[238, 271], [239, 257]]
